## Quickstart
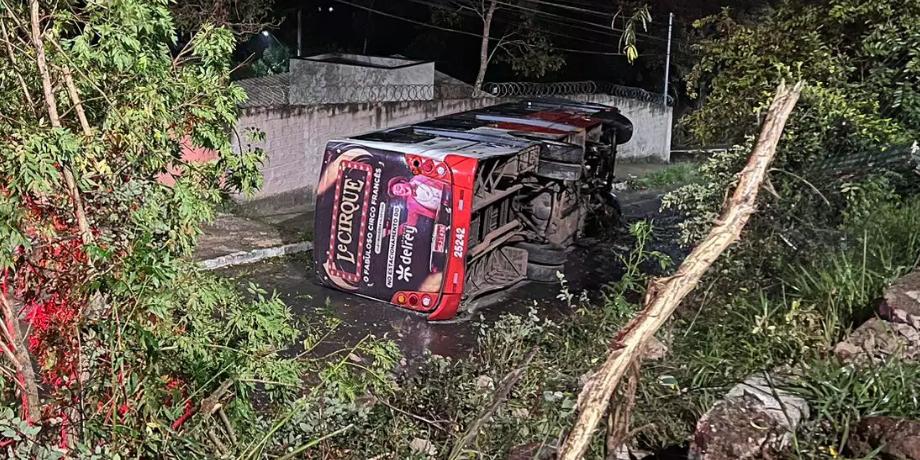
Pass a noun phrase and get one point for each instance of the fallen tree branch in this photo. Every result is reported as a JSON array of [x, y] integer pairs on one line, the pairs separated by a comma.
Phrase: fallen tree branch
[[665, 294], [501, 395], [620, 415]]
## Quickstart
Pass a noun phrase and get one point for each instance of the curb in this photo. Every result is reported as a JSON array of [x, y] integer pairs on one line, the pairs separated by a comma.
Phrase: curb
[[256, 255]]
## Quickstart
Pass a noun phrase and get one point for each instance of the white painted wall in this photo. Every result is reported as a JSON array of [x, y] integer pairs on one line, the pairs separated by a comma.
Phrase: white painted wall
[[295, 136]]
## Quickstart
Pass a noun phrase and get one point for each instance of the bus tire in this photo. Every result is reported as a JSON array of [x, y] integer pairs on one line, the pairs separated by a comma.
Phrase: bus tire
[[546, 254], [543, 273]]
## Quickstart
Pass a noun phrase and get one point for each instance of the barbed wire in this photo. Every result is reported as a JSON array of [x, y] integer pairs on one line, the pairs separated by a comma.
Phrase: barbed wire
[[570, 88], [266, 95]]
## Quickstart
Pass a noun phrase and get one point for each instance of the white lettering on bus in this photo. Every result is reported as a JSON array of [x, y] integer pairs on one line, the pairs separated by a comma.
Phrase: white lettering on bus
[[345, 225]]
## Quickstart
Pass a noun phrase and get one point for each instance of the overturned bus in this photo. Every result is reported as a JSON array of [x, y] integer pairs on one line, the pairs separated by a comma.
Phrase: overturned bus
[[430, 216]]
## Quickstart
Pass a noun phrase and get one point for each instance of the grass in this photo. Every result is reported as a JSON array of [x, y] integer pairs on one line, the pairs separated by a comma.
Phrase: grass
[[669, 177], [739, 321], [736, 324], [841, 394]]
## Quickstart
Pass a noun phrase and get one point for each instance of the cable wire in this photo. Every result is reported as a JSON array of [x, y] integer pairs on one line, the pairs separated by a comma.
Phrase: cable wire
[[463, 32]]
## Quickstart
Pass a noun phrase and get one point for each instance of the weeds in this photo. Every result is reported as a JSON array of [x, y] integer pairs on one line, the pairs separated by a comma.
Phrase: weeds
[[841, 394], [740, 322], [672, 176]]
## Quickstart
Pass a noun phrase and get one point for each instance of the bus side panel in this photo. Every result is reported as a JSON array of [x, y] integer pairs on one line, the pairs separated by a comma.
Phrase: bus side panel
[[463, 171]]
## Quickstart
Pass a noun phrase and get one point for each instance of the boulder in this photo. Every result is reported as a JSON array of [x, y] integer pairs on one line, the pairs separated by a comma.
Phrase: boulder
[[532, 451], [902, 301], [895, 439], [423, 447], [754, 420], [877, 340]]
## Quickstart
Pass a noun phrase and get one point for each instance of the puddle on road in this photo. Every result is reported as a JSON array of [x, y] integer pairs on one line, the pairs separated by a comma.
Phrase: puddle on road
[[588, 269], [293, 279]]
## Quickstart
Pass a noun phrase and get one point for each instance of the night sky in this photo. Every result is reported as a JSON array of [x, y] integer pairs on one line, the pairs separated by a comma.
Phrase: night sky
[[334, 26]]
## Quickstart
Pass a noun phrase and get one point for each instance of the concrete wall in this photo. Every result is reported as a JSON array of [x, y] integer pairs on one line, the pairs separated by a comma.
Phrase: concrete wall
[[339, 78], [295, 136], [651, 139]]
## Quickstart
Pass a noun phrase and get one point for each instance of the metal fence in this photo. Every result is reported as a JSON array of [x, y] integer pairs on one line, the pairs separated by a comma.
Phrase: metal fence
[[262, 95]]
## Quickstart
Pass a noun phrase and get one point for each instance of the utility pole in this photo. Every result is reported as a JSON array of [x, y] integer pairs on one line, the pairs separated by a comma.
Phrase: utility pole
[[299, 32], [667, 59]]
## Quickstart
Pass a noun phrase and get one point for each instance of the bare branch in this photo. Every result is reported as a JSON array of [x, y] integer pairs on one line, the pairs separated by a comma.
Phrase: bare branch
[[75, 100], [12, 54], [54, 117], [19, 356]]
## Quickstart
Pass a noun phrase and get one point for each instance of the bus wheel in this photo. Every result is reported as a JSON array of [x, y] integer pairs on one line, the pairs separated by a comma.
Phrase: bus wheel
[[544, 273], [547, 254]]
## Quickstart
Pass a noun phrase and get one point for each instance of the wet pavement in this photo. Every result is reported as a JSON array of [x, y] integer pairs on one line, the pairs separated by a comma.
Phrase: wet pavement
[[590, 266]]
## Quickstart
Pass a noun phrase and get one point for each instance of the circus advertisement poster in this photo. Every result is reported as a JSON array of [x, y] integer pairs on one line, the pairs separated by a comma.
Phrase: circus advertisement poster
[[381, 224]]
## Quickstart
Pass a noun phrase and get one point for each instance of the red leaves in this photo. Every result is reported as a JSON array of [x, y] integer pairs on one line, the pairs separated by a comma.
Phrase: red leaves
[[47, 279], [54, 340]]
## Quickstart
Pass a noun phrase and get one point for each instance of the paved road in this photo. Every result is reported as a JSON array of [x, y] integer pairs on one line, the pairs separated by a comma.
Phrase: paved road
[[588, 268]]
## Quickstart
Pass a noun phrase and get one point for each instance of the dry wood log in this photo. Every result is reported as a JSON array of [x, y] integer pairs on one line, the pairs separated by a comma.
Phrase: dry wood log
[[665, 294]]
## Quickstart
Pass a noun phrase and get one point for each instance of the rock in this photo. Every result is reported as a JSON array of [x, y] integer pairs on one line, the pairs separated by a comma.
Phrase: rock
[[484, 382], [877, 340], [655, 350], [531, 451], [897, 438], [423, 446], [902, 301], [754, 420]]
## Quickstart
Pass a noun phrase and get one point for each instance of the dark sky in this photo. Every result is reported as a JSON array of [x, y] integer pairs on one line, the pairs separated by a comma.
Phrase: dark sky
[[330, 25]]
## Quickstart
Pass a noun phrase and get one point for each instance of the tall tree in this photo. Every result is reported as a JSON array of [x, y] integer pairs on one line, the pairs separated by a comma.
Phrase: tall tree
[[109, 334], [243, 17], [521, 44]]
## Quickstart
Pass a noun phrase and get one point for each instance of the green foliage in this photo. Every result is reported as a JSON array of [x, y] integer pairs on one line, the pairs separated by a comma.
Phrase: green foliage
[[669, 177], [856, 55], [274, 60], [617, 296], [854, 59], [700, 201], [126, 335], [532, 54], [23, 434], [744, 319], [640, 17], [840, 394]]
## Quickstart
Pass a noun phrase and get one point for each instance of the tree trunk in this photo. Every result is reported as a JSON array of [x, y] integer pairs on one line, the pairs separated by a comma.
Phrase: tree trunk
[[665, 294], [51, 103], [18, 354], [484, 47]]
